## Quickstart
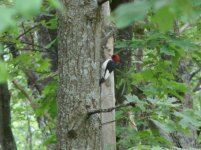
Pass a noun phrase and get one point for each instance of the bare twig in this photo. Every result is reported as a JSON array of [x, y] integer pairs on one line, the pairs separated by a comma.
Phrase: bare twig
[[197, 89], [36, 50], [110, 109], [51, 75], [25, 32], [35, 45], [24, 42], [198, 86], [184, 27], [30, 98], [194, 73], [105, 123]]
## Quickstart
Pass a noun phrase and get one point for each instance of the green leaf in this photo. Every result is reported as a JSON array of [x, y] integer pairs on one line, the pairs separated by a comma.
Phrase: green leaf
[[189, 118], [167, 51], [50, 24], [145, 75], [163, 126], [50, 140], [127, 13], [28, 8], [6, 18], [3, 72], [43, 65], [50, 44], [132, 98], [164, 17], [55, 3]]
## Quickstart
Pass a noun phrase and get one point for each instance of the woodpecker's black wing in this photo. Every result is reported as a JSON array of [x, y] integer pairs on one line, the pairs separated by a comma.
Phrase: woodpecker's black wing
[[109, 68], [111, 65]]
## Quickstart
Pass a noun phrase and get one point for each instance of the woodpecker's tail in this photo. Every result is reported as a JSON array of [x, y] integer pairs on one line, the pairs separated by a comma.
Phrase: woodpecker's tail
[[101, 81]]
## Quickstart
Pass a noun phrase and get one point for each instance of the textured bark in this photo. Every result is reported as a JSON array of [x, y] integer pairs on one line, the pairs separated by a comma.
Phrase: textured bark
[[107, 92], [79, 39], [7, 141]]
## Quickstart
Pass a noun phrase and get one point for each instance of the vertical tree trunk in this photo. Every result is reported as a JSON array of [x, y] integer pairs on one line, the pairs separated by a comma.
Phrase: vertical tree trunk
[[107, 90], [7, 141], [79, 37]]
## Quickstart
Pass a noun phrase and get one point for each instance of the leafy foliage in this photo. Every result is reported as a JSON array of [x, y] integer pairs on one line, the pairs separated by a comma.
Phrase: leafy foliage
[[167, 33], [26, 66], [169, 36]]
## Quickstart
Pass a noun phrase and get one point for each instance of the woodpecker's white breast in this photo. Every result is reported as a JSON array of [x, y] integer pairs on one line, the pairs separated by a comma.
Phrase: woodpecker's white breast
[[105, 73]]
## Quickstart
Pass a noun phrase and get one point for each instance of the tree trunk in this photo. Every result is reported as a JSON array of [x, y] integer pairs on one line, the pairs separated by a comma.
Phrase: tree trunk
[[7, 141], [79, 42], [107, 89]]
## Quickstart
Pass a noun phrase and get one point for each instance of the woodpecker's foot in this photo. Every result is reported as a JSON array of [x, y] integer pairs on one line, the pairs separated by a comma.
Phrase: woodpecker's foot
[[101, 81]]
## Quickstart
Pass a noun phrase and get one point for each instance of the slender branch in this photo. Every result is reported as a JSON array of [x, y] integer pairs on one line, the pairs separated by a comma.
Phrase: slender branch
[[104, 123], [194, 73], [24, 42], [51, 75], [184, 27], [197, 87], [25, 32], [29, 49], [110, 109], [30, 98], [35, 45]]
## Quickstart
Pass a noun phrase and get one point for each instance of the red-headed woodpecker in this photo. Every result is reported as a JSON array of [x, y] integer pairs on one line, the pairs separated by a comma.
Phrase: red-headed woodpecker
[[108, 66]]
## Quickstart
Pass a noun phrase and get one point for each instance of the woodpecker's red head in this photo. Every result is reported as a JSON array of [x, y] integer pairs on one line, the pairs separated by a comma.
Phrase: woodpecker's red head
[[116, 58]]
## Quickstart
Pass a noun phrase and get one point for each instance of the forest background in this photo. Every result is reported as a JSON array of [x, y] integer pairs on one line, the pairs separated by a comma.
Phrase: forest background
[[159, 42]]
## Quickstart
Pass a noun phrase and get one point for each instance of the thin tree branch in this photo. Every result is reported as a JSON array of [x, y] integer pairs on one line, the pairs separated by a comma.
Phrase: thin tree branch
[[35, 45], [25, 32], [184, 27], [110, 109], [29, 49], [30, 98], [194, 73], [197, 87], [22, 35], [104, 123], [51, 75], [24, 42]]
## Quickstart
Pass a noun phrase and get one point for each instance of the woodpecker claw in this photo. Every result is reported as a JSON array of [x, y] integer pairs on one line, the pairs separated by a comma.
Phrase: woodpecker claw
[[101, 81]]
